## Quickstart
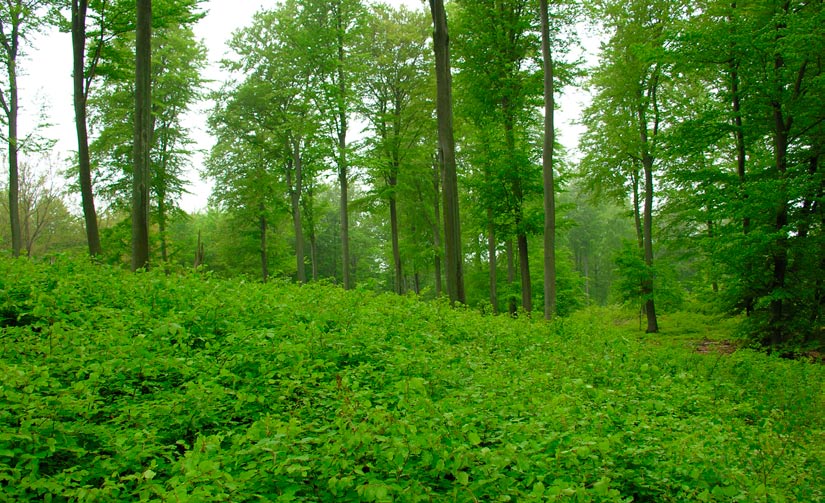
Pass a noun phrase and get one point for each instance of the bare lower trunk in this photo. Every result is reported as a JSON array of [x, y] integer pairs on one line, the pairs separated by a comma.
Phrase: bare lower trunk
[[512, 307], [81, 88], [491, 259], [264, 257], [446, 142], [436, 231], [143, 133], [547, 170], [524, 269], [396, 248]]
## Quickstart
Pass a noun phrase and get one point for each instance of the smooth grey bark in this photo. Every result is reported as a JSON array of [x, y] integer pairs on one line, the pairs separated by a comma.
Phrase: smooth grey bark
[[10, 37], [143, 133], [82, 83], [547, 170], [446, 143]]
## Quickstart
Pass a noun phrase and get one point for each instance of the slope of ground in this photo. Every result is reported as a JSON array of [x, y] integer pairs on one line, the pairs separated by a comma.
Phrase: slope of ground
[[122, 387]]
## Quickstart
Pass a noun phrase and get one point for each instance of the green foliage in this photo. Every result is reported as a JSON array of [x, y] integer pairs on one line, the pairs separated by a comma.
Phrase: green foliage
[[120, 387]]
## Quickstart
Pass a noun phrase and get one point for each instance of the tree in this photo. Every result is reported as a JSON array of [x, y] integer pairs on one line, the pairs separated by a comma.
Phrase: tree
[[446, 154], [18, 20], [398, 109], [177, 60], [626, 117], [143, 134], [547, 166], [82, 80]]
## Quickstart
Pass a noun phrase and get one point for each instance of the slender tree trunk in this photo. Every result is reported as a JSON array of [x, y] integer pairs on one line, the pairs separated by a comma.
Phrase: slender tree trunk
[[435, 228], [143, 133], [647, 284], [81, 92], [518, 195], [739, 140], [14, 178], [392, 181], [647, 223], [343, 181], [295, 189], [446, 142], [637, 210], [492, 259], [200, 255], [779, 255], [164, 245], [264, 255], [547, 169], [512, 307], [713, 282], [10, 42]]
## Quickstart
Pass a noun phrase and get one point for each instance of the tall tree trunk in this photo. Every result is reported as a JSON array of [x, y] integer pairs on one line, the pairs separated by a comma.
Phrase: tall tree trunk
[[14, 178], [11, 48], [295, 189], [512, 307], [343, 181], [518, 195], [392, 181], [264, 255], [647, 284], [524, 269], [435, 226], [143, 133], [547, 169], [81, 94], [491, 258], [446, 142], [637, 210], [741, 157]]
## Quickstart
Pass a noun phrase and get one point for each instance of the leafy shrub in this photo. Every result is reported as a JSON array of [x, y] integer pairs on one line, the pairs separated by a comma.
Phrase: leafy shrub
[[122, 387]]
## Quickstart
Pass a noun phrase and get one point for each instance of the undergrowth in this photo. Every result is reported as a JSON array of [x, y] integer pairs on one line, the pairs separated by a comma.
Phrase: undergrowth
[[122, 387]]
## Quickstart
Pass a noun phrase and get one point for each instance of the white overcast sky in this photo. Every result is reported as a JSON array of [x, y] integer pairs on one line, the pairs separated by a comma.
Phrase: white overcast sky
[[46, 83]]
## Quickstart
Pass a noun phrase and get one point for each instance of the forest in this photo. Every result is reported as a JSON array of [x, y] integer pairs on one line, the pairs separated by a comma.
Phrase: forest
[[408, 285], [415, 151]]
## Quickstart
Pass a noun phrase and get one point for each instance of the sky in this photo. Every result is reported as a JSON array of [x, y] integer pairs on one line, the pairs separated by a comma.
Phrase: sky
[[46, 84]]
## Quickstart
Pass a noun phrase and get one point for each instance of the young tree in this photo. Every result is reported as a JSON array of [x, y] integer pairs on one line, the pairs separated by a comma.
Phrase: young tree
[[626, 117], [18, 20], [398, 108]]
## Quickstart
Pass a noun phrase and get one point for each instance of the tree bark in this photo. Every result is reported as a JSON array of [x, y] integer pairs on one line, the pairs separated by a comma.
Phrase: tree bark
[[343, 181], [512, 307], [264, 255], [81, 94], [392, 181], [435, 228], [547, 169], [295, 189], [11, 47], [143, 133], [491, 258], [446, 142], [647, 224]]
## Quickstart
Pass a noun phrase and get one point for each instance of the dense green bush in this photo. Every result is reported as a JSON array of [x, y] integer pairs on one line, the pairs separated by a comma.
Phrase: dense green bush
[[122, 387]]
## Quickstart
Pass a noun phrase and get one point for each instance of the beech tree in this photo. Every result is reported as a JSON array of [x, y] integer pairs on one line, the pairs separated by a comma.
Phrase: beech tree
[[19, 19], [399, 110], [446, 154]]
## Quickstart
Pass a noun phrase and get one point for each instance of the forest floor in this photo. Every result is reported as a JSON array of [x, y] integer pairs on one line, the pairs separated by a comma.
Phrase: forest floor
[[124, 387]]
